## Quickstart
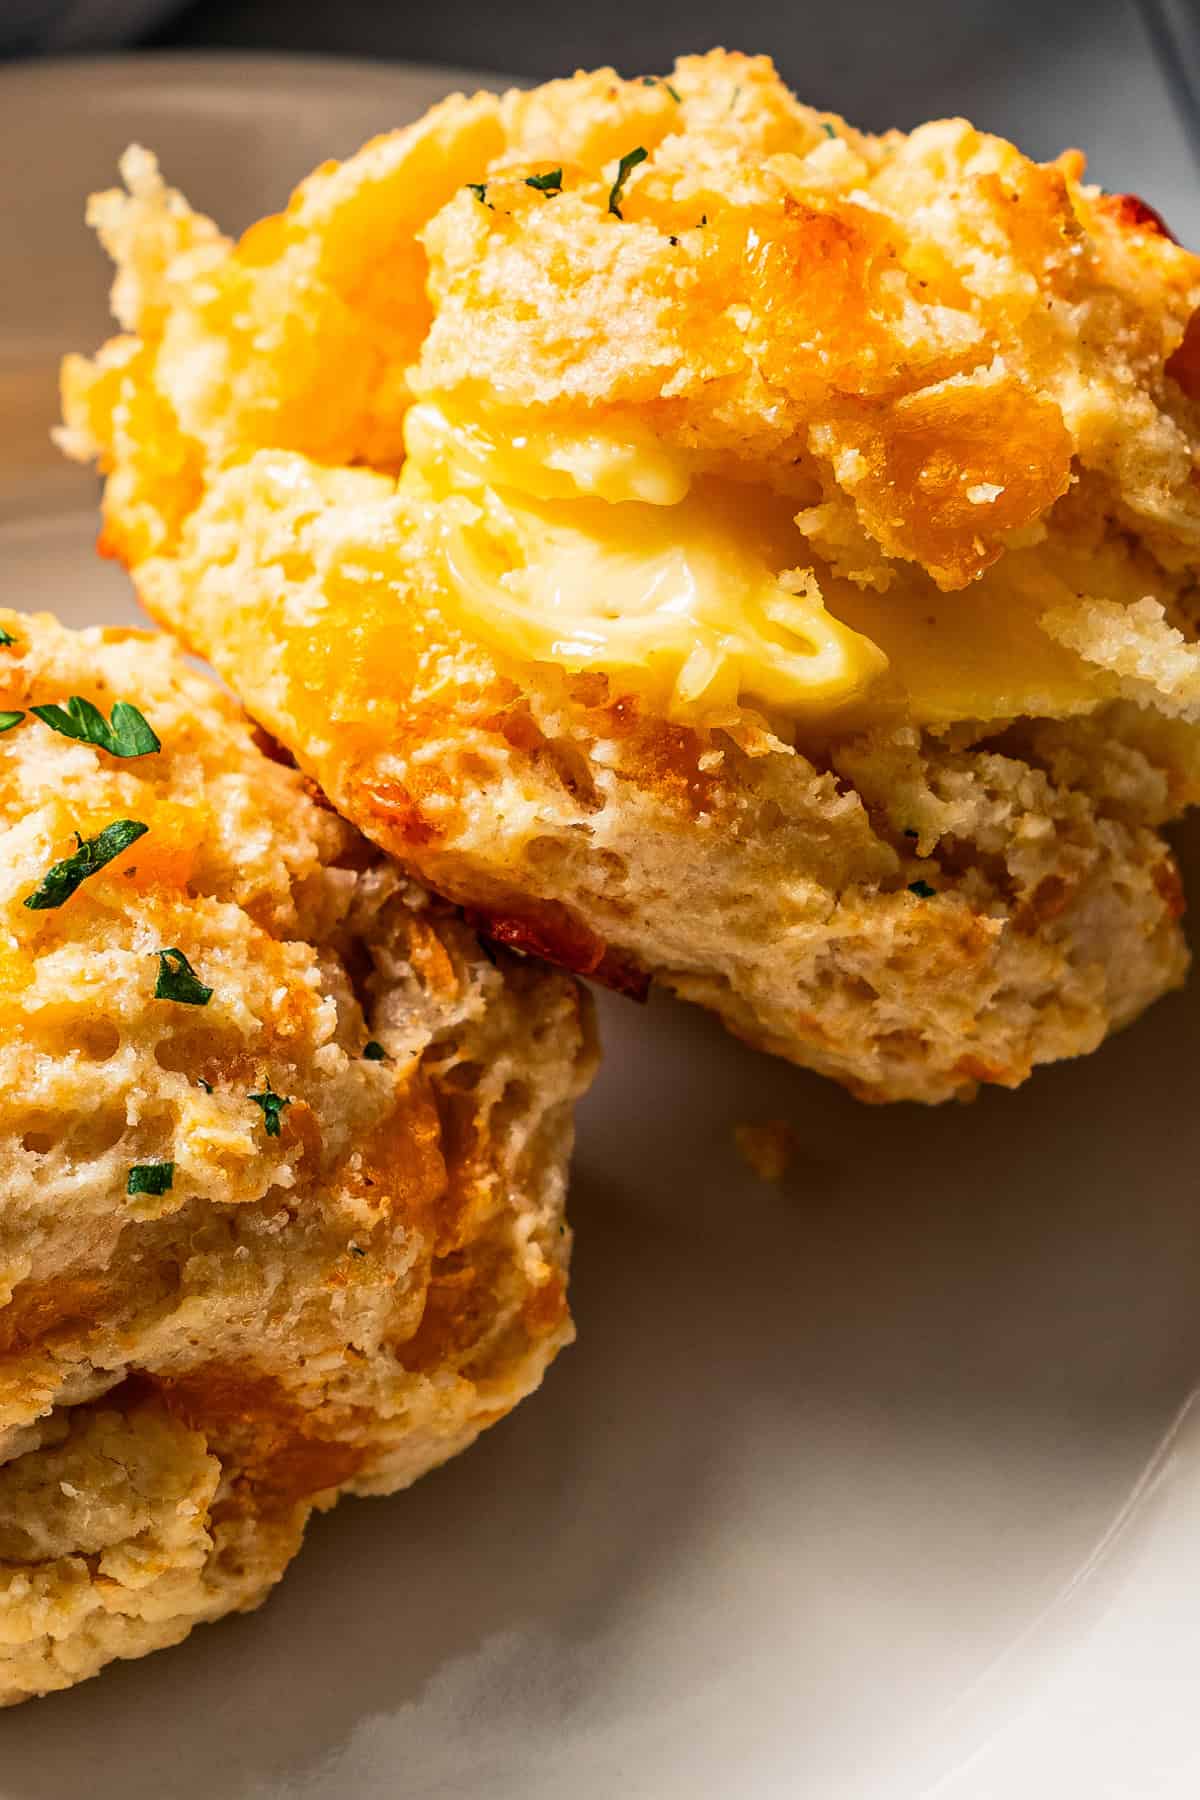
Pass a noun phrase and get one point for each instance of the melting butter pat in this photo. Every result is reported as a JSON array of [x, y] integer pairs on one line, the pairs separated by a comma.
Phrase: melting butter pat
[[603, 548], [612, 552], [453, 454]]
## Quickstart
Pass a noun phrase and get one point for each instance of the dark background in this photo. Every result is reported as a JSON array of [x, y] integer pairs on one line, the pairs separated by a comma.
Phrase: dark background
[[892, 62], [892, 54], [1119, 78]]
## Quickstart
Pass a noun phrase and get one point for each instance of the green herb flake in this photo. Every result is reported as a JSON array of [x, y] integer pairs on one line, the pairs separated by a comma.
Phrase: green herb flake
[[662, 82], [150, 1178], [374, 1052], [922, 890], [62, 878], [9, 719], [272, 1107], [625, 168], [827, 128], [178, 981], [674, 93], [548, 184], [127, 734], [479, 189], [206, 1085], [6, 637], [733, 98]]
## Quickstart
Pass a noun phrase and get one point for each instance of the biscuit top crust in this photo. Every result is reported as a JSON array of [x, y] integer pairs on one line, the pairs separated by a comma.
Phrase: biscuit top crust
[[879, 370]]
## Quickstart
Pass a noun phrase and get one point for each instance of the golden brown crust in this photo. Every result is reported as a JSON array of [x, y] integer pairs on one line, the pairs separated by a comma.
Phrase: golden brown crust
[[967, 376], [945, 257]]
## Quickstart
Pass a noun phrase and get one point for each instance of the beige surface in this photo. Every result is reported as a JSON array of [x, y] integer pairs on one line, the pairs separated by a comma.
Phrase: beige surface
[[338, 1306]]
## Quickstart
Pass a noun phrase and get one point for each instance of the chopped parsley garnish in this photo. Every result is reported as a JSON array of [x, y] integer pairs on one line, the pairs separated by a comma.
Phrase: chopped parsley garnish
[[922, 890], [6, 637], [374, 1052], [625, 168], [178, 981], [733, 98], [272, 1106], [827, 128], [660, 81], [62, 878], [9, 719], [206, 1085], [546, 184], [150, 1178], [479, 189], [127, 735]]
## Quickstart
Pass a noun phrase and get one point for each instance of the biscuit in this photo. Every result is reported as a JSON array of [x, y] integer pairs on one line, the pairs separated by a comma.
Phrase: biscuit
[[283, 1157], [713, 544]]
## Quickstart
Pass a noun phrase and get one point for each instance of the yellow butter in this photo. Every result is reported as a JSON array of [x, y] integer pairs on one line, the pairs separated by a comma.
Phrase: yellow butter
[[457, 454], [608, 550], [595, 551], [979, 655]]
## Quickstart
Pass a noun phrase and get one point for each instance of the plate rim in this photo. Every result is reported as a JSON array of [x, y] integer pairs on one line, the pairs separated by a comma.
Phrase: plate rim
[[141, 65]]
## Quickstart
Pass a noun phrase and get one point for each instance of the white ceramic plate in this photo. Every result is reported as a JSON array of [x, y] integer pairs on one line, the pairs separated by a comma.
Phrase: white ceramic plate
[[851, 1487]]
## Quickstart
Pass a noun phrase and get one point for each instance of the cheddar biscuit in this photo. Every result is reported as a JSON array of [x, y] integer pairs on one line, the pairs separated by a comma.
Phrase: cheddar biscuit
[[283, 1160], [711, 543]]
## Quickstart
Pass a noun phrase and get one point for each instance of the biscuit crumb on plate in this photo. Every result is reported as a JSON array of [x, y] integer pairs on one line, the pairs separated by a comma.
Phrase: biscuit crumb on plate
[[768, 1149]]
